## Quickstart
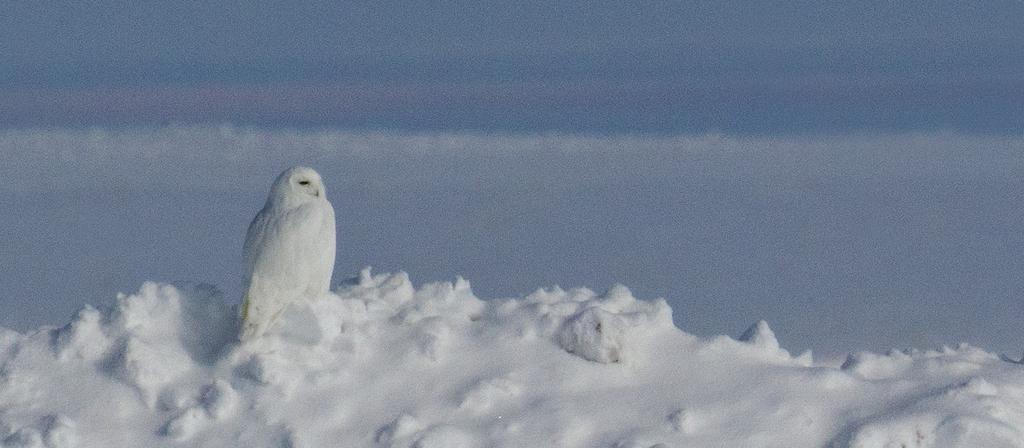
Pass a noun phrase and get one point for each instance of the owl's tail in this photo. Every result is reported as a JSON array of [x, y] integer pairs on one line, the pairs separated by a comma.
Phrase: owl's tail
[[256, 320], [245, 308], [250, 329]]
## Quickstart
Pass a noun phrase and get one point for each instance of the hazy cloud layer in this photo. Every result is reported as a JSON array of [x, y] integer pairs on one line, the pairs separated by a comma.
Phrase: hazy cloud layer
[[241, 158]]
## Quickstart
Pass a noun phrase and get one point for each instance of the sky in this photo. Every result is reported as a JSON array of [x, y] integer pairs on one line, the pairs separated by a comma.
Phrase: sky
[[762, 68], [848, 171], [842, 244]]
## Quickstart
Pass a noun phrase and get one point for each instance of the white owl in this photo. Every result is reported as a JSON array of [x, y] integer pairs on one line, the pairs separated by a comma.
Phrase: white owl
[[289, 250]]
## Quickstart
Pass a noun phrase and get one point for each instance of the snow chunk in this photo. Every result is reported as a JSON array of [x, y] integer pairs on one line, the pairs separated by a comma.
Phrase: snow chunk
[[381, 293], [400, 429], [219, 399], [28, 437], [450, 300], [607, 329], [148, 366], [594, 334], [185, 425], [8, 339], [761, 335], [216, 401], [686, 421], [83, 338], [757, 343], [874, 366]]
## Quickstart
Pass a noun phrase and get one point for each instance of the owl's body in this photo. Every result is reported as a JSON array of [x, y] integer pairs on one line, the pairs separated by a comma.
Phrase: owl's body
[[289, 250]]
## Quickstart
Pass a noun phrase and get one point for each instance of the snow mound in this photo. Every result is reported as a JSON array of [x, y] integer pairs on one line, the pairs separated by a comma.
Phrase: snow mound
[[382, 363], [966, 405]]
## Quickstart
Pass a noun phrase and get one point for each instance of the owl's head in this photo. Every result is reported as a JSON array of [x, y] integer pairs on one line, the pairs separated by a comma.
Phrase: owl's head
[[296, 186]]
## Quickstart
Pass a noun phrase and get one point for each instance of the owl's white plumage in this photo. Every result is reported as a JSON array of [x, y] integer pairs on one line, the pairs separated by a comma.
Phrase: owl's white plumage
[[289, 250]]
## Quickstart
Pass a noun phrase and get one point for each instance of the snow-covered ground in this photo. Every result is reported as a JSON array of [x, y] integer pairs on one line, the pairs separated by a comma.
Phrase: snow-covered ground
[[380, 362]]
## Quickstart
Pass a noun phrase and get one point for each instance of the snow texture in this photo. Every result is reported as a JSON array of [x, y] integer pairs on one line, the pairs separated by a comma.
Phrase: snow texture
[[381, 363]]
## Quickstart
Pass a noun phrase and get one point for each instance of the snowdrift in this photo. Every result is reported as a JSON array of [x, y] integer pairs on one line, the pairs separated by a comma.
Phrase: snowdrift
[[382, 363]]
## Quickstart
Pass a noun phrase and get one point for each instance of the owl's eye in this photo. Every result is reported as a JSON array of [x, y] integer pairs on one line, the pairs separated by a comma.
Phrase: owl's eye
[[303, 182]]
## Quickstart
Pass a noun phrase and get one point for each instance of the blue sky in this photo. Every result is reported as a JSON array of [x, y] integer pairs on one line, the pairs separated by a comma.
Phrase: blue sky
[[848, 171], [605, 67]]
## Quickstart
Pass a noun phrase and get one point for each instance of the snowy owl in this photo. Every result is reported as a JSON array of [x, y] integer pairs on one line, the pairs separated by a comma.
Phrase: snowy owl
[[289, 250]]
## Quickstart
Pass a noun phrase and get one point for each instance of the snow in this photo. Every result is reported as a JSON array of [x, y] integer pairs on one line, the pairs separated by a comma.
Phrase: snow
[[381, 362]]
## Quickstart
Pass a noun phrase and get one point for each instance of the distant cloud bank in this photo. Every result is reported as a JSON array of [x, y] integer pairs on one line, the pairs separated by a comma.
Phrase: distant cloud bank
[[233, 157]]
